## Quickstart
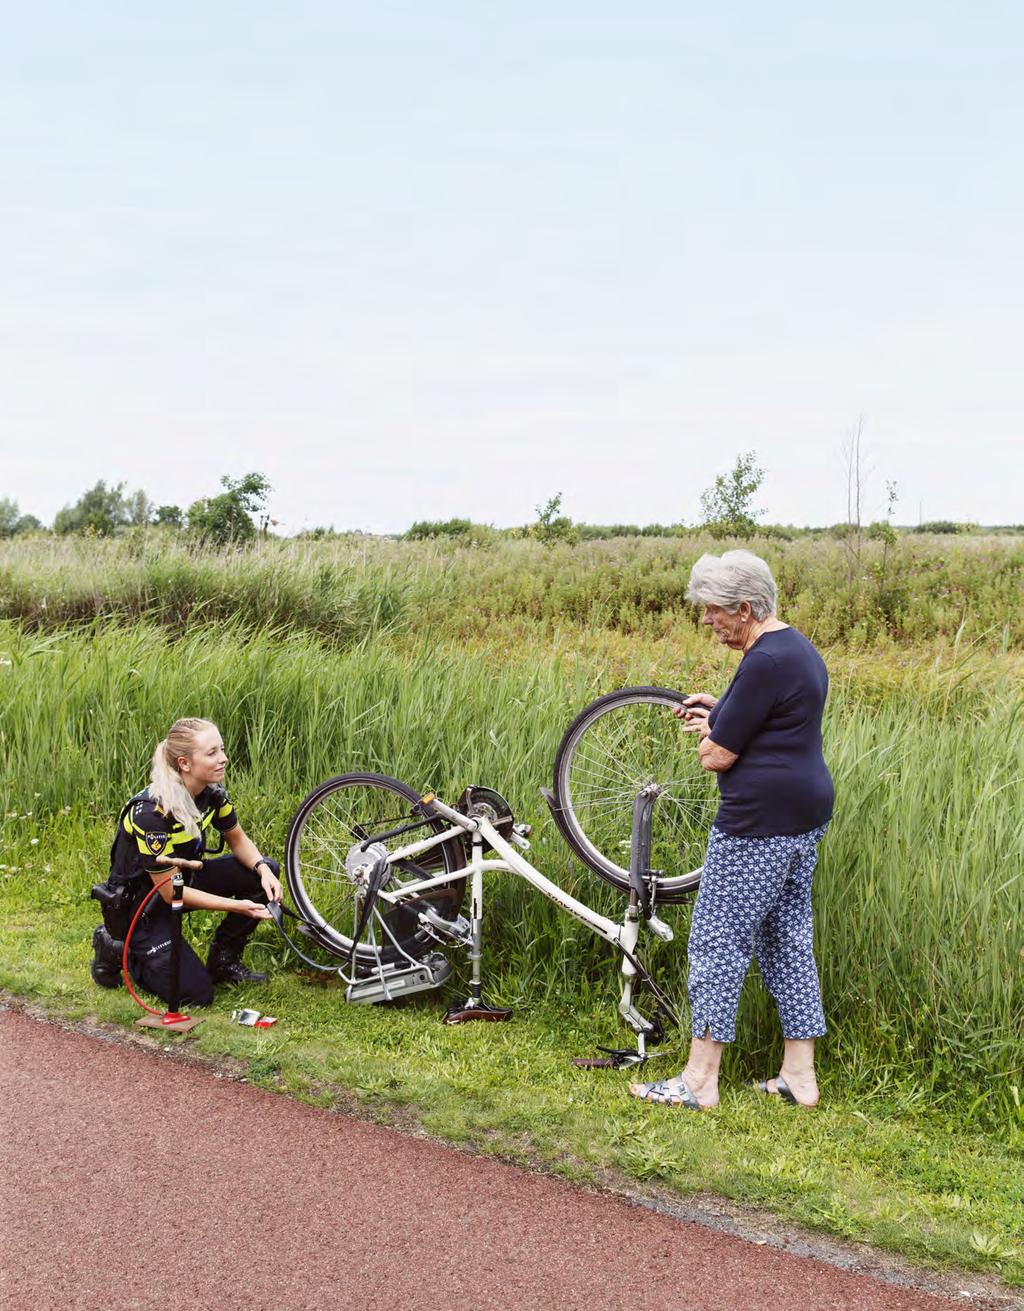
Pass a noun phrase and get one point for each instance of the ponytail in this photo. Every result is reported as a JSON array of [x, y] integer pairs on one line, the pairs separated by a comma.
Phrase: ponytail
[[166, 786]]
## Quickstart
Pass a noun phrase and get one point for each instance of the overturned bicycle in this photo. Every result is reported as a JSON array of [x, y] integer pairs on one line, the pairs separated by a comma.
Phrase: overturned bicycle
[[379, 873]]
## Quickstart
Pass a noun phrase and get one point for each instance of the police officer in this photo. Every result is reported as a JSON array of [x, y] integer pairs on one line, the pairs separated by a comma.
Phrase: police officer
[[172, 817]]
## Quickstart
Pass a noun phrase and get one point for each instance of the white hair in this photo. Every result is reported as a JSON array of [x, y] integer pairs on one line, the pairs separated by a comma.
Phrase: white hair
[[166, 786], [731, 578]]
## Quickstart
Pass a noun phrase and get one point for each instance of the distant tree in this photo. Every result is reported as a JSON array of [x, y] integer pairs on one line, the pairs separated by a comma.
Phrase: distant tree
[[173, 516], [101, 510], [139, 508], [727, 506], [9, 516], [552, 527], [28, 523], [423, 529], [884, 532], [227, 517], [939, 526]]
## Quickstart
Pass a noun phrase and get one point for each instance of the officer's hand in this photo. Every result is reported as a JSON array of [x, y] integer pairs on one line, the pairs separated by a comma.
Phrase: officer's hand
[[271, 886], [253, 909]]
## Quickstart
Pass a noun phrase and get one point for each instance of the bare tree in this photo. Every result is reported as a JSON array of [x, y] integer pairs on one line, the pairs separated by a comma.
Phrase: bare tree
[[856, 478]]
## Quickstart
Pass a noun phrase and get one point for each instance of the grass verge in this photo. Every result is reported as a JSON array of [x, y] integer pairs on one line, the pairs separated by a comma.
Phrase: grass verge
[[880, 1169]]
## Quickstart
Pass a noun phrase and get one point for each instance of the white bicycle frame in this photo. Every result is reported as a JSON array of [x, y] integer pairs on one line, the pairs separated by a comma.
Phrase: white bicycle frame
[[622, 935]]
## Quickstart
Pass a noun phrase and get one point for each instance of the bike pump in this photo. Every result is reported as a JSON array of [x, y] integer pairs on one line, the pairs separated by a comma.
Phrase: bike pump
[[171, 1019]]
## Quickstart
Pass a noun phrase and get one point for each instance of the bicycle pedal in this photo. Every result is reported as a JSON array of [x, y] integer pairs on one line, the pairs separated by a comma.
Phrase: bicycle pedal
[[618, 1058]]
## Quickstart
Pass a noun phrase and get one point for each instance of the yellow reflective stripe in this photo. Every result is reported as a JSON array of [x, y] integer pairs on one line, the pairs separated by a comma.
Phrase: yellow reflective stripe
[[225, 811]]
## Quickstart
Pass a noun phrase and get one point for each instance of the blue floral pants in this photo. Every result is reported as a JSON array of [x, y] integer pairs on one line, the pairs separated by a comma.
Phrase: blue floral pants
[[755, 899]]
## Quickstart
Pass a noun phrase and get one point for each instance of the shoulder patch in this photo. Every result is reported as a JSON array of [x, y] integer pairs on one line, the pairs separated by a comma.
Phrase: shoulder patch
[[156, 842]]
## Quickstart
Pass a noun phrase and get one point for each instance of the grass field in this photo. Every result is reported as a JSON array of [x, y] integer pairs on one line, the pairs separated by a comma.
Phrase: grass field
[[445, 666]]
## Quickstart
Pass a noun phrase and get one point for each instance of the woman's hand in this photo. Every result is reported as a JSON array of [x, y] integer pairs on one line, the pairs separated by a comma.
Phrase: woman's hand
[[270, 885], [717, 759], [251, 908], [694, 712]]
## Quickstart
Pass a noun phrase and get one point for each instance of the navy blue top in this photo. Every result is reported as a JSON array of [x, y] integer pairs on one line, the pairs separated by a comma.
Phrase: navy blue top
[[770, 716]]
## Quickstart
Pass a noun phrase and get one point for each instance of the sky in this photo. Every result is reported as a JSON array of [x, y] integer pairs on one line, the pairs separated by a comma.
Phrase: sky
[[420, 261]]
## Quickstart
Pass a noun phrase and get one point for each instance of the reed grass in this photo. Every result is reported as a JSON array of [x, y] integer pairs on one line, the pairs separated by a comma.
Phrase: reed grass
[[920, 892]]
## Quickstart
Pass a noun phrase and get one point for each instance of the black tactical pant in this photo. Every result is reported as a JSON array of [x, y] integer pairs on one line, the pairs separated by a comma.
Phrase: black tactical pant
[[149, 955]]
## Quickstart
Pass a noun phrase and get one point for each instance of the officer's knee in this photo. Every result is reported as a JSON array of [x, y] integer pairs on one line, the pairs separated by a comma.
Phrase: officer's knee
[[199, 994]]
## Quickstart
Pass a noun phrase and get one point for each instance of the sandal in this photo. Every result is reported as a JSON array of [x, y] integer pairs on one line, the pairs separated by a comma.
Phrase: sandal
[[783, 1090], [666, 1092]]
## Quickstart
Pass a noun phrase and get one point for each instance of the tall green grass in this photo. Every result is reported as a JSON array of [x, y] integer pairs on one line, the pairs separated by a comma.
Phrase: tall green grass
[[922, 590], [920, 892]]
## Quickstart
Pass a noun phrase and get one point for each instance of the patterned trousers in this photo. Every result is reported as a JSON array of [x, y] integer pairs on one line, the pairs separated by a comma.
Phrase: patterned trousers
[[755, 899]]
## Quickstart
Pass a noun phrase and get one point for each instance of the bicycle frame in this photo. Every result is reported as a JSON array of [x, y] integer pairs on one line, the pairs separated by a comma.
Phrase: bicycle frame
[[481, 831]]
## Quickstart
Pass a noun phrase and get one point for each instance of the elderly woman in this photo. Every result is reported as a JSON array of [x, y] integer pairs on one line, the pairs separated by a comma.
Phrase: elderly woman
[[762, 738]]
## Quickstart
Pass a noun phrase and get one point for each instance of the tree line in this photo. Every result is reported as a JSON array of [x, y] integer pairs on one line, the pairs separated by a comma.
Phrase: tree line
[[106, 510], [728, 510]]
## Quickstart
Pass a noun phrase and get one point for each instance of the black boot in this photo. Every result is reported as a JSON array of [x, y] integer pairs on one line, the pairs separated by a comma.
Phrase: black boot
[[106, 959], [224, 965]]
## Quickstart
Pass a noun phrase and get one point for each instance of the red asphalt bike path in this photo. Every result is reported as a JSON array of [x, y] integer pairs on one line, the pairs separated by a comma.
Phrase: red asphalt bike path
[[131, 1180]]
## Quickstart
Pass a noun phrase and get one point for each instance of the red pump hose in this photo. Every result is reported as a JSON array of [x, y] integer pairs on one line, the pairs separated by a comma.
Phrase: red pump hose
[[169, 1016]]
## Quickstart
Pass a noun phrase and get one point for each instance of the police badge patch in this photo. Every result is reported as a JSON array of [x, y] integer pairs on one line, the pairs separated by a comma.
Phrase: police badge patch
[[156, 842]]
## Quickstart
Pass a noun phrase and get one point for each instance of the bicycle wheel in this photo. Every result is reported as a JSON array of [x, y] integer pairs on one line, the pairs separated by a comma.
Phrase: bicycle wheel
[[325, 846], [615, 746]]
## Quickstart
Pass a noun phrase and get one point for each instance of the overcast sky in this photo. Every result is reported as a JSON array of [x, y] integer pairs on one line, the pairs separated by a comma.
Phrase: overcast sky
[[421, 260]]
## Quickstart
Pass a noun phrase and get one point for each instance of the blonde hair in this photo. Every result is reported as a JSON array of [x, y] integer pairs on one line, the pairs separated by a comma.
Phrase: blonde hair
[[166, 786]]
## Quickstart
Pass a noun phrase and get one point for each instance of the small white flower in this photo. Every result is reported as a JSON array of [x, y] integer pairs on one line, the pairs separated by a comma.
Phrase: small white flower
[[33, 842], [6, 662]]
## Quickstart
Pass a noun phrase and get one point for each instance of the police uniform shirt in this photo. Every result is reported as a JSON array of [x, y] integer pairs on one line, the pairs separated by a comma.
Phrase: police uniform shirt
[[147, 831]]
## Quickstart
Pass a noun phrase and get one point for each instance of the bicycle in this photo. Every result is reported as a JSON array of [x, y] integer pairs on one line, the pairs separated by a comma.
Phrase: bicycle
[[383, 901]]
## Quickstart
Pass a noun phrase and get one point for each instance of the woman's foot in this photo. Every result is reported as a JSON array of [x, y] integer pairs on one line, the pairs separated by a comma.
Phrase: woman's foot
[[694, 1091], [799, 1089]]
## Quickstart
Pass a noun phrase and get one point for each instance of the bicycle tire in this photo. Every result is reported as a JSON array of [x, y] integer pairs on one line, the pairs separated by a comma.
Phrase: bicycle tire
[[336, 816], [615, 746]]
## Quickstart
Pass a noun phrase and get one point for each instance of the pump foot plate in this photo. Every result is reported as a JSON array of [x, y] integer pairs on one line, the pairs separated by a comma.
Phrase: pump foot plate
[[184, 1025]]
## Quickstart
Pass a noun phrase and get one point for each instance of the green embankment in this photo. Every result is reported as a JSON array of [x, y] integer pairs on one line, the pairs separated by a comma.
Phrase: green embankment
[[920, 894]]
